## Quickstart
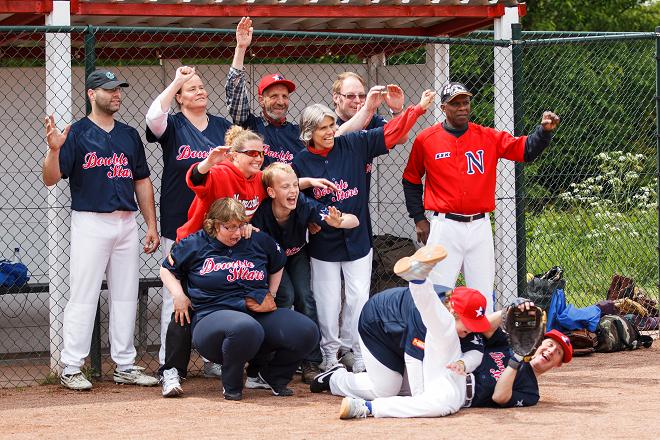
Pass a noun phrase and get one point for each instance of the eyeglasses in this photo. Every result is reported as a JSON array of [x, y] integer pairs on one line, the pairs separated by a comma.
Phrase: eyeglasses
[[352, 96], [252, 153], [232, 229]]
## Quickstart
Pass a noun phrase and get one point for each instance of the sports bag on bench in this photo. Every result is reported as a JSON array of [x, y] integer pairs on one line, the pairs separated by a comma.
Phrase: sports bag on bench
[[13, 274]]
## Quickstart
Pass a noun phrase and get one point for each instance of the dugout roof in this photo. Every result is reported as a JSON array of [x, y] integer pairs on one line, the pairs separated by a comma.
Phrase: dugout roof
[[394, 17]]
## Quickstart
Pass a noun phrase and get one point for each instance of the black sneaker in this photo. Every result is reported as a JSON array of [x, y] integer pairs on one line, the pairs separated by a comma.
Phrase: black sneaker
[[281, 390], [232, 396], [322, 381]]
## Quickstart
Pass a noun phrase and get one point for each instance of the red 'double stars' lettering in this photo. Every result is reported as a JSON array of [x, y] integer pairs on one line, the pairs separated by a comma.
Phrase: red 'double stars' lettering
[[117, 164]]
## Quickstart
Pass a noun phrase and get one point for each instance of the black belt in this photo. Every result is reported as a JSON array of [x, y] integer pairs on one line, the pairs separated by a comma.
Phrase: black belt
[[469, 390], [462, 218]]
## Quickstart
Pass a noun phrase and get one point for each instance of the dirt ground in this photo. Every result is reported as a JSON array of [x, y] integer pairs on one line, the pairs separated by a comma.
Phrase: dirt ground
[[602, 396]]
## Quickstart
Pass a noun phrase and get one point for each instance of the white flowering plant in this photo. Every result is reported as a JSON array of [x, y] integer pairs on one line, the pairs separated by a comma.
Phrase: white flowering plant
[[621, 186]]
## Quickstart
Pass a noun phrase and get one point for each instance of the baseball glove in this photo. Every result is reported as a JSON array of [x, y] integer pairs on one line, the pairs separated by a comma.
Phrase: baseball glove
[[524, 329]]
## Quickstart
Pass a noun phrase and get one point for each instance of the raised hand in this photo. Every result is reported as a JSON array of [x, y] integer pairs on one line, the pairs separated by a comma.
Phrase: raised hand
[[395, 98], [216, 155], [427, 99], [183, 74], [54, 137], [375, 97], [244, 31], [549, 121]]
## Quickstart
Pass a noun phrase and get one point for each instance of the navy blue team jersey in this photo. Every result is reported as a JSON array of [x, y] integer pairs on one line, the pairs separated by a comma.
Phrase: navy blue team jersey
[[183, 145], [102, 166], [376, 122], [220, 277], [344, 165], [390, 325], [292, 236], [281, 142], [496, 358]]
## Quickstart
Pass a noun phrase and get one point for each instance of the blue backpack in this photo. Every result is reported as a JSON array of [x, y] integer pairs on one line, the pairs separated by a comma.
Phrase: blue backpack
[[13, 274]]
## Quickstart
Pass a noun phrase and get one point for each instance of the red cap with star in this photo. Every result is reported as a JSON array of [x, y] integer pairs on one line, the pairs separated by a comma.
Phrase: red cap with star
[[272, 79], [563, 341], [470, 305]]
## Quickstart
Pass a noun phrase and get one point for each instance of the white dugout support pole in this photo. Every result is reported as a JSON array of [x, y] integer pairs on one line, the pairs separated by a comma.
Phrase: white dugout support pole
[[505, 206], [58, 103]]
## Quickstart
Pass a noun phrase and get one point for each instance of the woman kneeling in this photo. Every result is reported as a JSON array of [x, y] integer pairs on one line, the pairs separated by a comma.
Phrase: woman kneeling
[[229, 282]]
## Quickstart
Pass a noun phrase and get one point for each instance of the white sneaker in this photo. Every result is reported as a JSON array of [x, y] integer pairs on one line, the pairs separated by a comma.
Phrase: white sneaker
[[358, 366], [256, 383], [134, 376], [329, 361], [352, 408], [76, 381], [171, 383], [418, 266], [212, 370]]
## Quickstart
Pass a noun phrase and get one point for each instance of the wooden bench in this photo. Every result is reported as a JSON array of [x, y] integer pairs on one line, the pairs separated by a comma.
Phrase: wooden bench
[[95, 350]]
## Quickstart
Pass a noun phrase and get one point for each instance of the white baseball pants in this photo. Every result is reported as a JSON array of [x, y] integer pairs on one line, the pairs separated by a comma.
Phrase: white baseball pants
[[168, 304], [443, 391], [102, 244], [378, 380], [326, 285], [470, 249]]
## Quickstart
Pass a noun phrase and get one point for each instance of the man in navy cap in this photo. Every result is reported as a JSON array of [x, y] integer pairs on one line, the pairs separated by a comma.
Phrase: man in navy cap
[[107, 169]]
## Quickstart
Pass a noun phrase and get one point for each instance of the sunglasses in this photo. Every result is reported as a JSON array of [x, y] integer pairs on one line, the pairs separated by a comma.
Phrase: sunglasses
[[252, 153], [352, 96]]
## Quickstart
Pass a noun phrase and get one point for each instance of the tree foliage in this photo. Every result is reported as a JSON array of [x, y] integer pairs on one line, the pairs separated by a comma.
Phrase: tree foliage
[[592, 15]]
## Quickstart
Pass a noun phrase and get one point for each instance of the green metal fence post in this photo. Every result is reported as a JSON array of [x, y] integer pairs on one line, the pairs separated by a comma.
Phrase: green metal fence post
[[518, 123], [657, 143], [90, 66]]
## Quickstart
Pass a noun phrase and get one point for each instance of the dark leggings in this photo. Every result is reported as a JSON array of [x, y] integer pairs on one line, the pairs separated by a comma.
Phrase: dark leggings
[[232, 338]]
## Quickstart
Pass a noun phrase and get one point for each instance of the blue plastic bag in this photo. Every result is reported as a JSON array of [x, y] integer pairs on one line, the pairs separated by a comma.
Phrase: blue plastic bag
[[13, 274]]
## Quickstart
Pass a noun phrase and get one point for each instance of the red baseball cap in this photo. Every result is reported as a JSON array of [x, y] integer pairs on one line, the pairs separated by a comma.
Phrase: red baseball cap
[[562, 340], [470, 305], [272, 79]]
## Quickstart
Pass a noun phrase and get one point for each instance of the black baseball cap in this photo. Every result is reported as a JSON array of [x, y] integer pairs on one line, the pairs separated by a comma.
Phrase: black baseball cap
[[103, 79], [451, 90]]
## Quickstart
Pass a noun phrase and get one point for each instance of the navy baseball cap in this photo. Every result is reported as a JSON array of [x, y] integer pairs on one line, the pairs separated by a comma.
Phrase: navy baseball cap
[[452, 90], [103, 79]]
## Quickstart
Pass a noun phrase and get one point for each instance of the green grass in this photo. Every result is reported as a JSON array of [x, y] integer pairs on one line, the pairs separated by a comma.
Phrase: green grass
[[592, 246]]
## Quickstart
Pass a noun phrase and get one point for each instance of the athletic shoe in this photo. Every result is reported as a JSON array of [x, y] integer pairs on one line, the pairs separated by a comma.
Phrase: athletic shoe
[[321, 381], [76, 381], [256, 383], [171, 383], [352, 408], [134, 376], [309, 371], [348, 359], [329, 361], [418, 266], [232, 396], [212, 370], [358, 366], [281, 391]]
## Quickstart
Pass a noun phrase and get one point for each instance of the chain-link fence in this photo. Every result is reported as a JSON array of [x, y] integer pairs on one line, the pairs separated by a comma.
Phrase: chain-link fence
[[589, 204]]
